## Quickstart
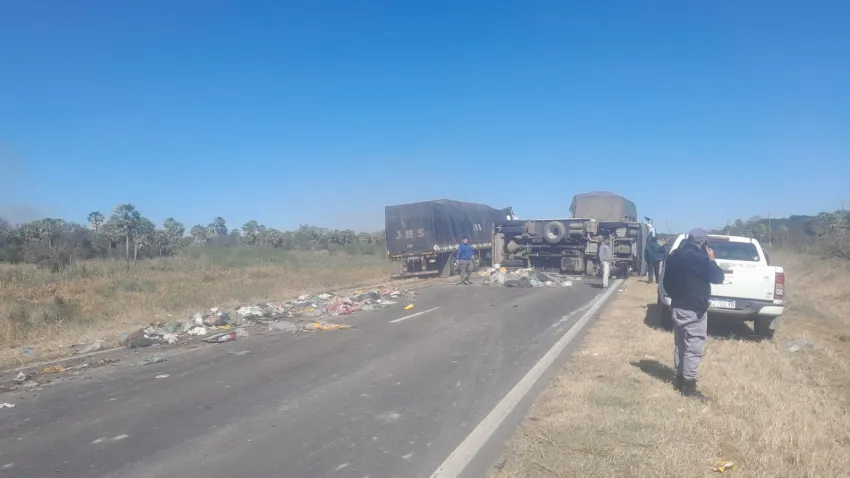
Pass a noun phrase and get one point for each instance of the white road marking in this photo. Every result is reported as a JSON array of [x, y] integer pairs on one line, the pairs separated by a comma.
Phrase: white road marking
[[413, 315], [458, 460]]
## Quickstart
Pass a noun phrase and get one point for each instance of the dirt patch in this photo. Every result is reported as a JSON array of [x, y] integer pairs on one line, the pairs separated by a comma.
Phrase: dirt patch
[[612, 411]]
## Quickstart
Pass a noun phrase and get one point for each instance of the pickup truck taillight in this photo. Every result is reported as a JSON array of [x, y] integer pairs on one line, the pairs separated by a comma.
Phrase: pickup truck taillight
[[779, 287]]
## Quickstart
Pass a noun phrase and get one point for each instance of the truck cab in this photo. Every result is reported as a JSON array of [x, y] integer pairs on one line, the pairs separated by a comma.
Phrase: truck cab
[[753, 290]]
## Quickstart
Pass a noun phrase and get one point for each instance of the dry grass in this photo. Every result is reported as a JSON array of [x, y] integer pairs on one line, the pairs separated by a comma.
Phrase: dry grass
[[612, 411], [102, 299]]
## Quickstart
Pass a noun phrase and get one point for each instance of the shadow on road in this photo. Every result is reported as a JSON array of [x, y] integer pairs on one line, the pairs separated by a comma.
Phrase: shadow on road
[[656, 369], [718, 327]]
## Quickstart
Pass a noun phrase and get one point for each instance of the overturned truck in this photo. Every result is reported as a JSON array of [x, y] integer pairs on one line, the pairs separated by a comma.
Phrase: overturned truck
[[570, 245], [423, 237]]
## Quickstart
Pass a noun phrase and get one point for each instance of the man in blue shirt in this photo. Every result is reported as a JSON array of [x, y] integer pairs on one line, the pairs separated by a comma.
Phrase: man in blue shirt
[[464, 256]]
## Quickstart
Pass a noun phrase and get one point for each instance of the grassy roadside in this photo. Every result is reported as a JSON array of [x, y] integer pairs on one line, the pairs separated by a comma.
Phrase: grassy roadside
[[612, 410], [99, 300]]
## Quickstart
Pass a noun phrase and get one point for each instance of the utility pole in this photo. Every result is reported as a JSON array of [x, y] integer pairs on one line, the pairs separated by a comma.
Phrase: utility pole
[[769, 231]]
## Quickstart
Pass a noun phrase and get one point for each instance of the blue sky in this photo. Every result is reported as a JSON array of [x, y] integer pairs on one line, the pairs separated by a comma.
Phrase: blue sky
[[323, 112]]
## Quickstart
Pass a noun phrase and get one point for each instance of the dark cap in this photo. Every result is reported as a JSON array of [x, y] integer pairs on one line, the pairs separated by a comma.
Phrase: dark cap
[[698, 235]]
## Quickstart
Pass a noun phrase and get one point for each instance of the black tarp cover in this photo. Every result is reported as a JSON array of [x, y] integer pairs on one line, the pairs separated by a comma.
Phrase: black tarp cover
[[418, 227], [602, 206]]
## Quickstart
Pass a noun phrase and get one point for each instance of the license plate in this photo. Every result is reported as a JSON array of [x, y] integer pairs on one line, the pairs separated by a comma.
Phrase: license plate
[[722, 304]]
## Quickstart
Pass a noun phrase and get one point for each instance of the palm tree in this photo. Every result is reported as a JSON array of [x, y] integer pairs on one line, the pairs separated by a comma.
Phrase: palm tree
[[199, 234], [174, 230], [96, 220], [126, 219], [144, 236], [218, 227]]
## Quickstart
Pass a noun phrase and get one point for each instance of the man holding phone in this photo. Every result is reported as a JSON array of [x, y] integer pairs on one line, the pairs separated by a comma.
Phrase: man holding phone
[[688, 276]]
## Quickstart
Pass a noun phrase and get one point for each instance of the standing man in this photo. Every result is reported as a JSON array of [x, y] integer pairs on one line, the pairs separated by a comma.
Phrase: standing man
[[653, 255], [688, 276], [605, 258], [464, 256]]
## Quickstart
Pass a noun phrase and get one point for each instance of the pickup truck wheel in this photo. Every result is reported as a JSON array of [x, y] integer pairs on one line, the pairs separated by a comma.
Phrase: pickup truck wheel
[[762, 327], [665, 314]]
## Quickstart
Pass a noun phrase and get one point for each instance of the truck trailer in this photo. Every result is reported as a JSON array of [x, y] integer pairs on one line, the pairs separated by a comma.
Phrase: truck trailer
[[423, 237], [570, 245]]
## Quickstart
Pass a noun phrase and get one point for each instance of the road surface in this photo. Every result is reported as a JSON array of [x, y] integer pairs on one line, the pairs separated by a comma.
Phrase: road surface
[[387, 398]]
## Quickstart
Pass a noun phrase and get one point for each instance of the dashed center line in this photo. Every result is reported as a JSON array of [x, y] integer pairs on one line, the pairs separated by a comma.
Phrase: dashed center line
[[413, 315]]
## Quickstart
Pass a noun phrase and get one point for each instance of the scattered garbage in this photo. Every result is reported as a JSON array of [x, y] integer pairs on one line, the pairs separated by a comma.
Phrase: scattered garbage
[[797, 345], [151, 360], [282, 326], [164, 375], [524, 278], [138, 339], [221, 338], [29, 351], [213, 318], [724, 465], [325, 326], [197, 330], [7, 405], [80, 349], [408, 307], [21, 377], [53, 369]]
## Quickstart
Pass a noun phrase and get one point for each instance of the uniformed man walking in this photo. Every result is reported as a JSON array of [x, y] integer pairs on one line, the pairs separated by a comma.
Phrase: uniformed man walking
[[688, 276]]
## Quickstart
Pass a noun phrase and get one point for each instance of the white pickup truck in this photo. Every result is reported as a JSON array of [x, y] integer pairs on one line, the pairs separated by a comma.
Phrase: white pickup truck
[[752, 290]]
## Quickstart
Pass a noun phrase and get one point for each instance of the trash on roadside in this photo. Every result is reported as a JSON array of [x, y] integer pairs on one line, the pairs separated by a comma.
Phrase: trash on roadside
[[325, 326], [7, 405], [29, 351], [164, 375], [197, 330], [21, 377], [724, 465], [152, 360], [797, 345], [408, 307], [282, 326], [138, 339], [53, 369], [214, 318], [80, 349], [220, 338], [171, 338]]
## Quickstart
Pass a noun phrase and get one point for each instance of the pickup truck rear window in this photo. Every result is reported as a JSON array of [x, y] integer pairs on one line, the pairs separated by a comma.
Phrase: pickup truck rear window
[[735, 251]]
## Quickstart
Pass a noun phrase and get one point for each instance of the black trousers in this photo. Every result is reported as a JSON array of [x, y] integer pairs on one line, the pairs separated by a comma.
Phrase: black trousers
[[652, 268]]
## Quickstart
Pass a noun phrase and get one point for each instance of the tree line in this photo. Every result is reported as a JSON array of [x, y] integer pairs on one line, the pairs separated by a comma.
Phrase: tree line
[[126, 233], [829, 232]]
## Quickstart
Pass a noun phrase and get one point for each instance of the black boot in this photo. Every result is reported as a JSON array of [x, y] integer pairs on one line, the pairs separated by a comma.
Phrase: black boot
[[689, 389], [680, 380]]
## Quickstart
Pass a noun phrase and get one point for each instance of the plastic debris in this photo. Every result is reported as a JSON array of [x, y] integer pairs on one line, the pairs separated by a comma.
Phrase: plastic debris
[[408, 307], [21, 377], [87, 349], [325, 326], [29, 351], [164, 375], [197, 330], [53, 369], [221, 338], [798, 344], [7, 405], [215, 318], [171, 338], [724, 465], [138, 339], [282, 326], [152, 360]]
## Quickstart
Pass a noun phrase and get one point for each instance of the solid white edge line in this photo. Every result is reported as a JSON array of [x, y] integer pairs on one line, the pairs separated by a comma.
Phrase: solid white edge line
[[413, 315], [458, 460]]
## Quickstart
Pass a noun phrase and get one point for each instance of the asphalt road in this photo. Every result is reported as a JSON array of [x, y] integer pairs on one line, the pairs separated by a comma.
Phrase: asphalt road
[[387, 398]]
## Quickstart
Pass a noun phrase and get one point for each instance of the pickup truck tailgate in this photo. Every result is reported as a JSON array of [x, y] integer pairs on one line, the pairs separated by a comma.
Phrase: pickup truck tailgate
[[745, 280]]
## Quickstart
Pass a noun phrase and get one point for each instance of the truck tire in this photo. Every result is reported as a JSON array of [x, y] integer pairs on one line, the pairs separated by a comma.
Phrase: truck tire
[[762, 327], [665, 315], [554, 232]]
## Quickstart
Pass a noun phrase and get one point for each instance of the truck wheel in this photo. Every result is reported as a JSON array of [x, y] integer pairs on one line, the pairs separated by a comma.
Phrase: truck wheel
[[554, 232], [762, 327], [665, 314]]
